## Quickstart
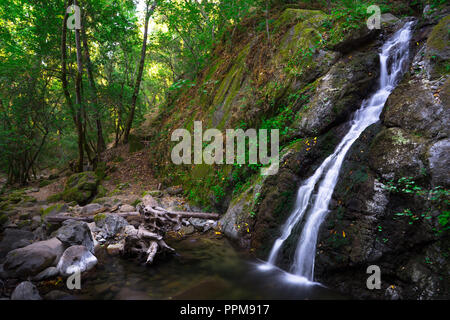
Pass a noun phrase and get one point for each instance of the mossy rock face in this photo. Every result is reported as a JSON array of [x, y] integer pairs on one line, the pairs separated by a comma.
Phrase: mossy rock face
[[438, 49], [339, 93], [80, 187], [53, 210], [395, 153], [415, 108]]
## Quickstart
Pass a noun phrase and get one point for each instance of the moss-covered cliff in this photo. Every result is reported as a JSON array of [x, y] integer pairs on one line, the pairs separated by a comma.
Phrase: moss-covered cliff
[[306, 82]]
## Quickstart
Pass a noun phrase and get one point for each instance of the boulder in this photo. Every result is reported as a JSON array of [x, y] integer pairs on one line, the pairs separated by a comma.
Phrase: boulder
[[202, 224], [26, 291], [57, 295], [50, 272], [111, 224], [127, 208], [76, 233], [34, 258], [115, 249], [396, 153], [14, 239], [175, 190], [91, 208], [76, 258], [80, 187]]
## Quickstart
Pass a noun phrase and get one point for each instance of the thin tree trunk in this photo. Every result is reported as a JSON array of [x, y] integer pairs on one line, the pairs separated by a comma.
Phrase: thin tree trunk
[[129, 123], [267, 21], [100, 140], [78, 99]]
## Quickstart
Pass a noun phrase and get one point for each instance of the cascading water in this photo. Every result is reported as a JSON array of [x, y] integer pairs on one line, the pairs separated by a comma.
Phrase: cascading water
[[394, 54]]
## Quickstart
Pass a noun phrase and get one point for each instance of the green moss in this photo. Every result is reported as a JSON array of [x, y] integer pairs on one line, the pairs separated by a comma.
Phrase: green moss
[[24, 223], [54, 198], [3, 219], [153, 193], [102, 192], [44, 183], [438, 48], [100, 171], [100, 216], [439, 36], [47, 211]]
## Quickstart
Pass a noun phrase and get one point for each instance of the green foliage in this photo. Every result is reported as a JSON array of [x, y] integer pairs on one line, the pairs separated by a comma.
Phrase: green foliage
[[435, 198]]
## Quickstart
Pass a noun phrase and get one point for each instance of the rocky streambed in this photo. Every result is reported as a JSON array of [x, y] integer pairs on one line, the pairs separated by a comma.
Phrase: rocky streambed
[[39, 260]]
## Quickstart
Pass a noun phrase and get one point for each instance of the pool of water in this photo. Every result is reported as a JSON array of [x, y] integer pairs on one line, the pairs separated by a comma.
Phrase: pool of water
[[205, 267]]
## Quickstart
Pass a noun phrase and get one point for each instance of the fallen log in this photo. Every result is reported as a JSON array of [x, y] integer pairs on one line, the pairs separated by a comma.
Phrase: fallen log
[[61, 218]]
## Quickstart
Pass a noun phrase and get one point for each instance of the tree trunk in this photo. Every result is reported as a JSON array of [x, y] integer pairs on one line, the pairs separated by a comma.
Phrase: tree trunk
[[129, 123], [100, 140], [78, 99]]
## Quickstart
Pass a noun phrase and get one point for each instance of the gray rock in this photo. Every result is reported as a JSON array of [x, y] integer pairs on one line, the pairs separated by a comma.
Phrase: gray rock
[[76, 258], [393, 293], [57, 295], [14, 239], [202, 224], [91, 208], [175, 190], [439, 163], [26, 291], [127, 208], [3, 274], [187, 230], [76, 233], [388, 18], [115, 249], [111, 224], [50, 272], [32, 259]]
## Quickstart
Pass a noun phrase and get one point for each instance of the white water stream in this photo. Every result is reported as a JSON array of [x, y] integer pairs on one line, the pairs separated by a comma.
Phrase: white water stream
[[393, 56]]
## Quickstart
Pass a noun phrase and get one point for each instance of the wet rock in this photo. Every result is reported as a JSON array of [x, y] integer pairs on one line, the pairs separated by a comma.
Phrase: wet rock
[[439, 163], [32, 259], [395, 153], [187, 230], [14, 239], [111, 224], [413, 106], [76, 258], [202, 224], [339, 93], [115, 249], [393, 293], [75, 233], [57, 295], [50, 272], [26, 291]]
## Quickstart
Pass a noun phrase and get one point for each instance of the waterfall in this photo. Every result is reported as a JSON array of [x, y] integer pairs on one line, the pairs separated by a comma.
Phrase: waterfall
[[393, 57]]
